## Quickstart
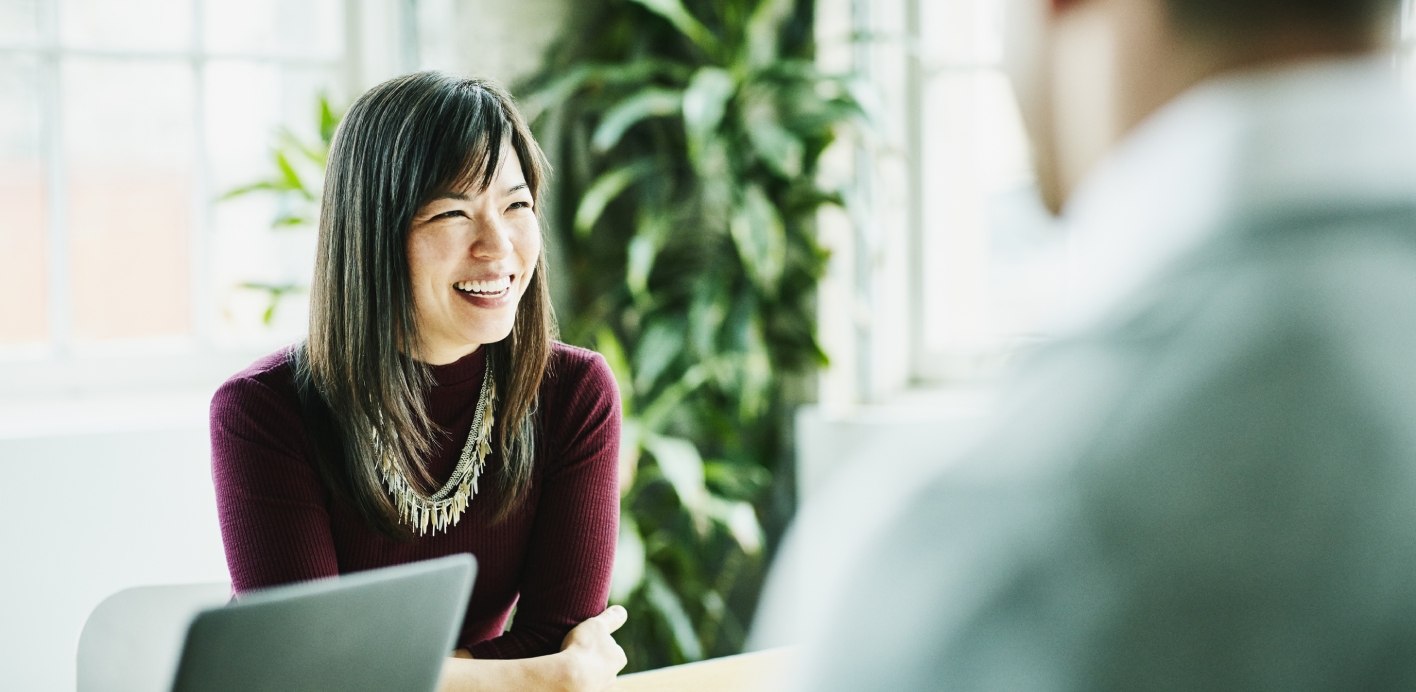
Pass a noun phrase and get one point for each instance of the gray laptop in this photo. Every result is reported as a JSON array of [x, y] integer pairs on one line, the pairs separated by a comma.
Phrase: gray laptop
[[385, 630]]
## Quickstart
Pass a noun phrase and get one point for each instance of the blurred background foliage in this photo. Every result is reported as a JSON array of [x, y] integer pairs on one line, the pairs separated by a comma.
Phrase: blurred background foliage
[[297, 181], [686, 137]]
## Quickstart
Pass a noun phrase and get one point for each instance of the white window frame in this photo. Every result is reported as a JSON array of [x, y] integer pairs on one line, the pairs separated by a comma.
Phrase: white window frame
[[379, 39], [881, 266]]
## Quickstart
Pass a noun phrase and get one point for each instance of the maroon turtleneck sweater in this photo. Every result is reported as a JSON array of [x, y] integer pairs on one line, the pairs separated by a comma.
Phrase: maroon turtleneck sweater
[[554, 552]]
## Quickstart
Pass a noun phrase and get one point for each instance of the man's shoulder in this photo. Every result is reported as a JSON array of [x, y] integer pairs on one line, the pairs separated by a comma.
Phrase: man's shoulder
[[1271, 276]]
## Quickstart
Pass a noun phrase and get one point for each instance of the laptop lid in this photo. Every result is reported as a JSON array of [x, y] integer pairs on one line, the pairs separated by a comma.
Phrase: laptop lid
[[384, 630]]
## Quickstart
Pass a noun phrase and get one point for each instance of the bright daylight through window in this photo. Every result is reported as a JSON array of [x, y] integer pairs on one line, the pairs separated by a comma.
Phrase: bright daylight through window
[[949, 261], [116, 244]]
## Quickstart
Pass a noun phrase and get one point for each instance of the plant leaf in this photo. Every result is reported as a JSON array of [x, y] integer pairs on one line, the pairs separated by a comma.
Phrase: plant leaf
[[660, 345], [705, 316], [604, 190], [704, 102], [643, 249], [656, 411], [756, 372], [646, 103], [295, 219], [682, 466], [261, 186], [631, 442], [565, 85], [741, 521], [666, 603], [762, 29], [760, 238], [289, 143], [686, 23], [608, 345], [290, 178], [628, 571], [329, 121], [741, 481], [554, 92], [776, 146]]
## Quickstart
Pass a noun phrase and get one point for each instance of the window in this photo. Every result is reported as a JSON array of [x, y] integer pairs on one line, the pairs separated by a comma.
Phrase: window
[[990, 261], [951, 260], [121, 124], [951, 263]]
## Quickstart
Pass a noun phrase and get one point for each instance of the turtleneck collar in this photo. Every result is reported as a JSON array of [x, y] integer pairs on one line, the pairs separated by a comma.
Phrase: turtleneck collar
[[468, 367]]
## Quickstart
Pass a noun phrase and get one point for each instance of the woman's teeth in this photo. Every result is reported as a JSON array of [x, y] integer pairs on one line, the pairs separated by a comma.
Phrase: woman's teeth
[[490, 288]]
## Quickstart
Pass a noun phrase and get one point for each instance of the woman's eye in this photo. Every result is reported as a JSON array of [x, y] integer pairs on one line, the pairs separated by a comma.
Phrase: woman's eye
[[449, 214], [519, 205]]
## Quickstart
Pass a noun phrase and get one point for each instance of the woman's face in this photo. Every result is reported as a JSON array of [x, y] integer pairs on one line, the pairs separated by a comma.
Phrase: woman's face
[[471, 255]]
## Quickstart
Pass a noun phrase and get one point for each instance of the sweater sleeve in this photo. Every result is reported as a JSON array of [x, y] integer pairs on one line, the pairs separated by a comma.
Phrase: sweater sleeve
[[566, 575], [274, 523]]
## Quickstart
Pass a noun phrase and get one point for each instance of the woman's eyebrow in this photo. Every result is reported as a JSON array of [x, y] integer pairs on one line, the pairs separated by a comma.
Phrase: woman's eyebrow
[[463, 197]]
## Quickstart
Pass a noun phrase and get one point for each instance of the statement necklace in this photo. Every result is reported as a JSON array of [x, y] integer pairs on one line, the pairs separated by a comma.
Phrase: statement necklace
[[443, 509]]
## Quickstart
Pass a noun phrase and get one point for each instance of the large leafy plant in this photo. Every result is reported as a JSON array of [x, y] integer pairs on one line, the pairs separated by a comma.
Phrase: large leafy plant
[[686, 137]]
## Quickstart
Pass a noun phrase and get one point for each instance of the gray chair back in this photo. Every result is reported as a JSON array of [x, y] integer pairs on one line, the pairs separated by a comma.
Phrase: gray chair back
[[133, 639]]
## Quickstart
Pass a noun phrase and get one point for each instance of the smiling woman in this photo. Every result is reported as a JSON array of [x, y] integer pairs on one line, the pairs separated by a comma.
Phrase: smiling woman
[[468, 298], [430, 370]]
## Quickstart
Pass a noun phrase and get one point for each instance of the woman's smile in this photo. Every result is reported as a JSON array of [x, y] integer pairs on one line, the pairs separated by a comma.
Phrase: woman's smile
[[488, 293], [471, 255]]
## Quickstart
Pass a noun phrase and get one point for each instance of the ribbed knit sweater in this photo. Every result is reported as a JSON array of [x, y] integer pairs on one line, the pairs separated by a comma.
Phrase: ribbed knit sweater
[[280, 525]]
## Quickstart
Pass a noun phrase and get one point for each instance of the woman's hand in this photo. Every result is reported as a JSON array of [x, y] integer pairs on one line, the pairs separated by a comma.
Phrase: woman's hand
[[592, 657], [588, 661]]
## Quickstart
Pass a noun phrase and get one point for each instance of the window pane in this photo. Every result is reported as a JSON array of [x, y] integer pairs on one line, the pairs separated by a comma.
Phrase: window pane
[[128, 135], [22, 197], [961, 32], [992, 260], [19, 22], [144, 25], [247, 104], [310, 28]]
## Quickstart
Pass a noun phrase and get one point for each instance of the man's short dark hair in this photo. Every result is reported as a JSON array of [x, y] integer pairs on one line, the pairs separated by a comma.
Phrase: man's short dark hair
[[1247, 17]]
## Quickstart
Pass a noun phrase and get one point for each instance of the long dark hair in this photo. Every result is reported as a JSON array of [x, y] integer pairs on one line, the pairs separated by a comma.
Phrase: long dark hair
[[400, 144]]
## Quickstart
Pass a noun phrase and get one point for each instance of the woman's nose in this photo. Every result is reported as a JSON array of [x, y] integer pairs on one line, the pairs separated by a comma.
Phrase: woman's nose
[[493, 238]]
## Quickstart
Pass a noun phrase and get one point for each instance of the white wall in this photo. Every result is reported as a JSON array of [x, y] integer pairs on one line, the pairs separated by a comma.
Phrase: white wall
[[85, 515], [491, 39]]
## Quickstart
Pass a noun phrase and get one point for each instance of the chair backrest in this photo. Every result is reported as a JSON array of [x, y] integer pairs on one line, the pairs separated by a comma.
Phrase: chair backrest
[[133, 639]]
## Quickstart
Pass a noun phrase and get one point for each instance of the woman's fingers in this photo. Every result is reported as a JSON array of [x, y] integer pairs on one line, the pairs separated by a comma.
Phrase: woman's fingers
[[597, 628], [613, 618], [591, 655]]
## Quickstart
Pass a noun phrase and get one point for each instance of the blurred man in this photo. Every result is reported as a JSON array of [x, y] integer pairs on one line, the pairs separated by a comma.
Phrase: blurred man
[[1209, 481]]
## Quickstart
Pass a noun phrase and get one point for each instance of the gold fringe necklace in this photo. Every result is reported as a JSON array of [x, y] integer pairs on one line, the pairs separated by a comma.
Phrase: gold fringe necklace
[[443, 509]]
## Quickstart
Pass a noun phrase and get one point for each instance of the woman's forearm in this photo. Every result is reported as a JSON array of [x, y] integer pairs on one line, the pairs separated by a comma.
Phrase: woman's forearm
[[550, 673], [588, 661]]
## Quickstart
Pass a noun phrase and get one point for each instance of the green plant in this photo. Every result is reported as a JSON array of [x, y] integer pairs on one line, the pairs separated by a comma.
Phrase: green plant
[[296, 183], [686, 138]]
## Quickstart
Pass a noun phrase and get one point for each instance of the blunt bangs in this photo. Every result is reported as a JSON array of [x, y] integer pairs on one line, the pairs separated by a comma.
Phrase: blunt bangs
[[470, 129]]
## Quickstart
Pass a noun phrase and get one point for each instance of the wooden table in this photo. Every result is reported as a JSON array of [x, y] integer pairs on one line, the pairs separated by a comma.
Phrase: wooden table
[[761, 671]]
